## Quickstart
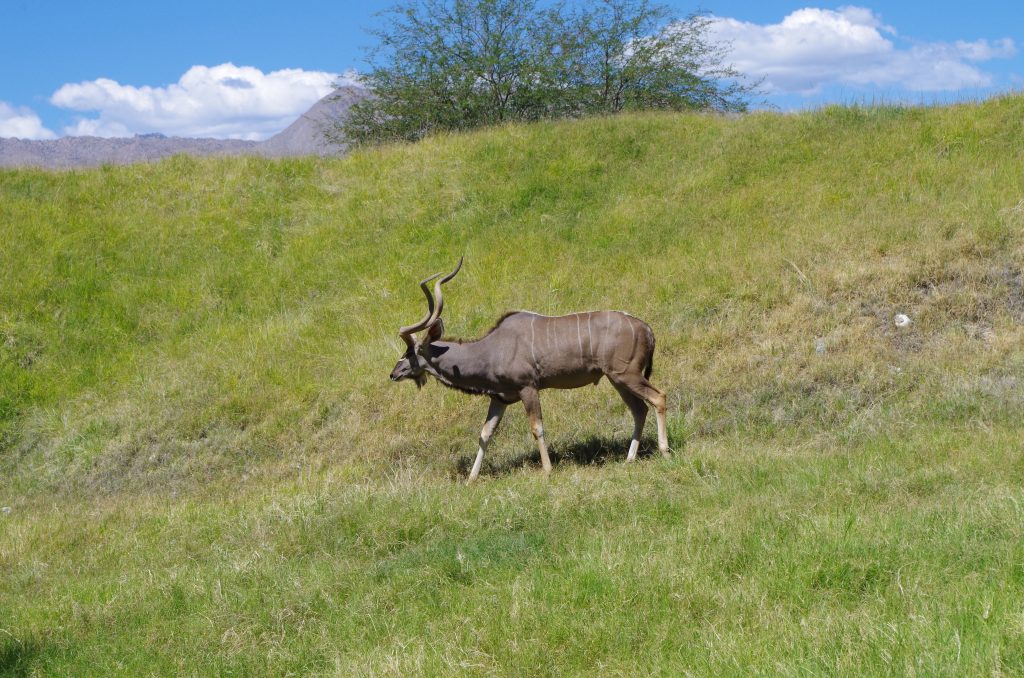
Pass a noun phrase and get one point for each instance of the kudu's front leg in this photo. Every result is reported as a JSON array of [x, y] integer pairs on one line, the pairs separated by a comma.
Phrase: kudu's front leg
[[531, 401], [494, 412]]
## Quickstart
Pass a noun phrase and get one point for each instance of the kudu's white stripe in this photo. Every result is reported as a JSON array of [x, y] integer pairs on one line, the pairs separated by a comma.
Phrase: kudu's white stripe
[[579, 337], [533, 336]]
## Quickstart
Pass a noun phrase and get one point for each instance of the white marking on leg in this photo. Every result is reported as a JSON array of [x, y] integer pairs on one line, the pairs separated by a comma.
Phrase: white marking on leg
[[476, 464], [494, 414], [662, 433], [545, 459], [633, 446]]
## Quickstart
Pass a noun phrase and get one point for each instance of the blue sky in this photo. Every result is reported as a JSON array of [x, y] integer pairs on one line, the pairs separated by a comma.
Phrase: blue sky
[[246, 70]]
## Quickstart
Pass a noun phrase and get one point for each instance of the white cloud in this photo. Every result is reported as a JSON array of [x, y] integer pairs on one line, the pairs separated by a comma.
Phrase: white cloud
[[21, 123], [983, 50], [813, 47], [225, 101]]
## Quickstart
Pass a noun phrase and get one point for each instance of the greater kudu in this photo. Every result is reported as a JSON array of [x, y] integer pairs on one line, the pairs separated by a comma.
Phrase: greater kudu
[[526, 352]]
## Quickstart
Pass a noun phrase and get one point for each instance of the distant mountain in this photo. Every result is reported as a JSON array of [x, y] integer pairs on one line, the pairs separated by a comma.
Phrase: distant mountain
[[303, 137], [68, 152]]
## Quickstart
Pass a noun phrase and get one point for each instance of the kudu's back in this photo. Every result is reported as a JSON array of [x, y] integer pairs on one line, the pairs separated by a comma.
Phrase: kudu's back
[[573, 350]]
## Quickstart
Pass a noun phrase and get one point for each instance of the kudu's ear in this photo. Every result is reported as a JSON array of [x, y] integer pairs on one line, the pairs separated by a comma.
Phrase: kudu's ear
[[436, 331]]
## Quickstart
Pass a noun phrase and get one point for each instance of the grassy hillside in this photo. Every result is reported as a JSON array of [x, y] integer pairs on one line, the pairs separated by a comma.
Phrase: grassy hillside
[[208, 470]]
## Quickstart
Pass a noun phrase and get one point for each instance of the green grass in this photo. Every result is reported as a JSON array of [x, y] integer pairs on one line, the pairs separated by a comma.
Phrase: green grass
[[208, 471]]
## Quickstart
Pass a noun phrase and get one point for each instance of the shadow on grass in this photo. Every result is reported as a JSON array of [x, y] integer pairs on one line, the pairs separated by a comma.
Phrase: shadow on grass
[[16, 655], [593, 451]]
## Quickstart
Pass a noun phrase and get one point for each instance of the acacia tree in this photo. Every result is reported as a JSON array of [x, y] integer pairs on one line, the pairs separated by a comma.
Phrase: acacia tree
[[634, 55], [459, 64]]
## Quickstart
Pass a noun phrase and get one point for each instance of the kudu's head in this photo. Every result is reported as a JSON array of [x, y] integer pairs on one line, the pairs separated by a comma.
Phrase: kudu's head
[[413, 365]]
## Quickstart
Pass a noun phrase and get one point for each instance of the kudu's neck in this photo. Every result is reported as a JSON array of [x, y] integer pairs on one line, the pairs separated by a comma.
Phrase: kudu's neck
[[459, 365]]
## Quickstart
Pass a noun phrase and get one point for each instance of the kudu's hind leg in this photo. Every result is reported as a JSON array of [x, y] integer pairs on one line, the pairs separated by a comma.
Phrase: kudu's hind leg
[[639, 386], [638, 408], [531, 401], [494, 412]]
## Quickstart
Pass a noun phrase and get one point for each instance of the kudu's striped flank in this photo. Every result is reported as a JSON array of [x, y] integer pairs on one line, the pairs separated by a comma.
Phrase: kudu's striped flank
[[526, 352]]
